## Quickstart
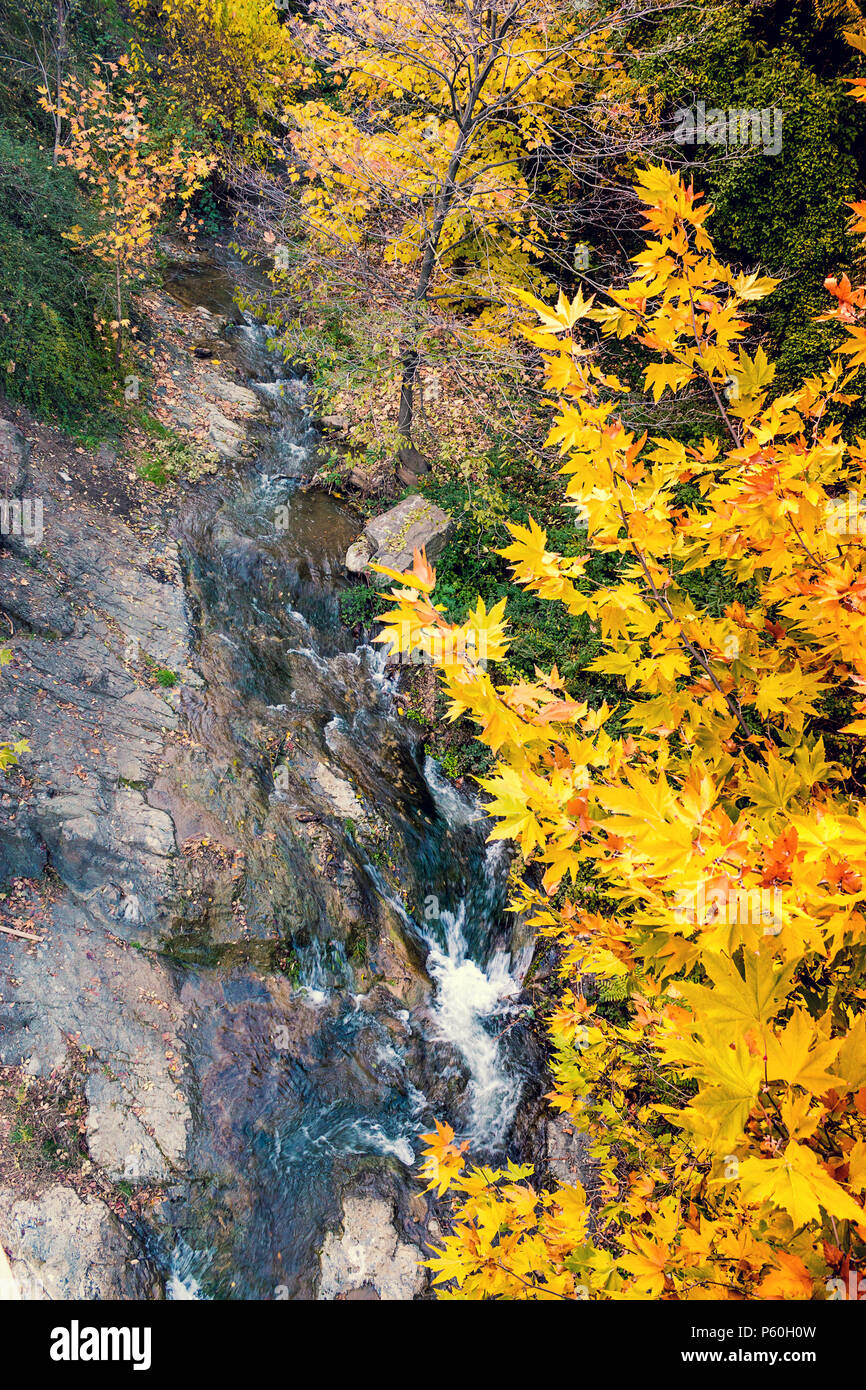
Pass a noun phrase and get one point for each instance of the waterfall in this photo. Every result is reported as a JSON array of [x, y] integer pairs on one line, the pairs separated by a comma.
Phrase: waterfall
[[467, 998]]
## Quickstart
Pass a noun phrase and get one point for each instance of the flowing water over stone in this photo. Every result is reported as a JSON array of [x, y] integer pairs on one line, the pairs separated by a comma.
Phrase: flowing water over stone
[[274, 938], [366, 876]]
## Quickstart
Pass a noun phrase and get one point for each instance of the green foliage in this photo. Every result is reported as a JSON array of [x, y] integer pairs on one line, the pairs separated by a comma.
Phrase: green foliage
[[94, 28], [51, 356], [43, 1119], [206, 210], [166, 678], [152, 471], [356, 944], [543, 634], [360, 604], [785, 212], [481, 499]]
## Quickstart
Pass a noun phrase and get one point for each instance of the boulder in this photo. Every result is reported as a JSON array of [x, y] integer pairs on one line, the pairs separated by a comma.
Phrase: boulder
[[228, 437], [338, 423], [368, 1259], [411, 465], [391, 538], [233, 392], [358, 555], [61, 1247]]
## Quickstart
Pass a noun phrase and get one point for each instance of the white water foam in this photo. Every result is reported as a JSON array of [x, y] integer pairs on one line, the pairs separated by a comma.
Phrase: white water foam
[[466, 997], [340, 1136], [182, 1285], [456, 809]]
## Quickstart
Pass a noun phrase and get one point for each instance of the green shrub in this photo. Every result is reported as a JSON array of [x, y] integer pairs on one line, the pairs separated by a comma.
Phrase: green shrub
[[542, 634], [51, 356], [360, 604], [785, 212]]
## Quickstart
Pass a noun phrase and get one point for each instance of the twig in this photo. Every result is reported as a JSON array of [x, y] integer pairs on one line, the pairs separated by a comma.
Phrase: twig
[[25, 935]]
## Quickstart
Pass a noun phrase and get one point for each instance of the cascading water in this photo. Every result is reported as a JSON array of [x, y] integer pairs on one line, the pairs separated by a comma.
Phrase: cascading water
[[467, 997], [308, 1079]]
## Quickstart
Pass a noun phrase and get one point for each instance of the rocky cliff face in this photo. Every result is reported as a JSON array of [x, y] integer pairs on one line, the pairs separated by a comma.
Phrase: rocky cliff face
[[84, 605]]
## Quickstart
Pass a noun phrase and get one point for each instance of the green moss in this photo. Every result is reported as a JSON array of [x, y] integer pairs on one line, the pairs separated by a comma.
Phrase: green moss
[[785, 212], [51, 357], [356, 944]]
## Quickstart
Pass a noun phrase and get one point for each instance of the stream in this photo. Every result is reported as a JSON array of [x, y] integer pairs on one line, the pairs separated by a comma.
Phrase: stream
[[360, 976]]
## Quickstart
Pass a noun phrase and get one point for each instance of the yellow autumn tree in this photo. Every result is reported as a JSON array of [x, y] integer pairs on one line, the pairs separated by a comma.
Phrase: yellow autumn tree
[[130, 178], [450, 156], [703, 842], [230, 62]]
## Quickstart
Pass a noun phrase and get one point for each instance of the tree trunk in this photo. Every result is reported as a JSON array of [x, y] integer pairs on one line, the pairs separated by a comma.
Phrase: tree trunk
[[441, 208], [409, 352], [60, 74], [407, 393], [118, 344]]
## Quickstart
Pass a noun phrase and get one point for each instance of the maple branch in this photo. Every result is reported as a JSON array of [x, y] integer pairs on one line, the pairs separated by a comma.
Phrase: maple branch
[[731, 431], [665, 607]]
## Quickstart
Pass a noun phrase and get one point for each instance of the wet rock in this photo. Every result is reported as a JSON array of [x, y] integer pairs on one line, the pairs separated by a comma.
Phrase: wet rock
[[399, 961], [232, 392], [214, 323], [392, 537], [229, 437], [14, 456], [337, 791], [249, 345], [289, 390], [60, 1247], [368, 1254]]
